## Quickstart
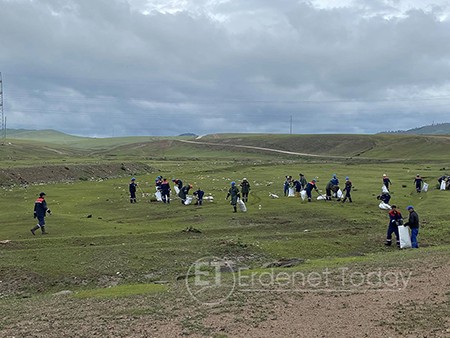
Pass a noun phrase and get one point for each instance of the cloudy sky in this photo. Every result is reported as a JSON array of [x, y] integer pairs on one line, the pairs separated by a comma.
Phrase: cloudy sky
[[164, 67]]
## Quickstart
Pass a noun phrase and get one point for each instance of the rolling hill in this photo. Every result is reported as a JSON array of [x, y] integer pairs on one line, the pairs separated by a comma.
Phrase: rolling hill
[[432, 129]]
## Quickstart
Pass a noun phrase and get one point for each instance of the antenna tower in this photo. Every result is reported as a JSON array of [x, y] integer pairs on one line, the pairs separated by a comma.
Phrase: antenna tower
[[3, 136]]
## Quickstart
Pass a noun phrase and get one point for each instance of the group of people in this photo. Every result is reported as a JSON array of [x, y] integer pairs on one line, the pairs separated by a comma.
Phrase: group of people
[[163, 188], [331, 189], [395, 216], [396, 220], [235, 193]]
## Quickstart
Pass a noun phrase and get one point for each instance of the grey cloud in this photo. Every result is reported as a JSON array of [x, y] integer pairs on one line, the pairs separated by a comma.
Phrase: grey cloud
[[114, 68]]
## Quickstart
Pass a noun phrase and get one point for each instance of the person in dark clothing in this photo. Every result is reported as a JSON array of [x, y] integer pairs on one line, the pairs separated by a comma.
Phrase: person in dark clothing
[[164, 188], [40, 211], [297, 187], [245, 189], [234, 193], [183, 192], [199, 194], [332, 187], [178, 182], [158, 182], [413, 224], [303, 181], [347, 189], [395, 219], [309, 187], [132, 188], [386, 181], [286, 185], [418, 182], [385, 197]]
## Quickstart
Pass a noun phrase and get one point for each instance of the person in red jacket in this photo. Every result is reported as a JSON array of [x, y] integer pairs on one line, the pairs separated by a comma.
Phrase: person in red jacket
[[395, 219], [309, 187]]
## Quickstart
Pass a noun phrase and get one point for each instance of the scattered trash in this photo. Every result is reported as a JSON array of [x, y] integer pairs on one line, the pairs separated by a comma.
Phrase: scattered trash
[[63, 293]]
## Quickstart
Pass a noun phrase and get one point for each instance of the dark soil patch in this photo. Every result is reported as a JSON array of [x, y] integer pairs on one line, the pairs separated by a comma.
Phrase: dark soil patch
[[69, 173]]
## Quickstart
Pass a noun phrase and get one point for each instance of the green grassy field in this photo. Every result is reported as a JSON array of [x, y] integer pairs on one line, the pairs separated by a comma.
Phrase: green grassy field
[[98, 239]]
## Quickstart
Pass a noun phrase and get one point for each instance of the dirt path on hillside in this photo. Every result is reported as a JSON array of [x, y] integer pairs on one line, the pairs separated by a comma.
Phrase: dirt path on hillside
[[260, 148]]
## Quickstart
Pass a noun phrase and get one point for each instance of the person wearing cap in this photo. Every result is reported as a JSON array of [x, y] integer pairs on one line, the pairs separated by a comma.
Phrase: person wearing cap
[[132, 188], [395, 219], [234, 193], [40, 211], [245, 189], [413, 224], [332, 186], [386, 181], [347, 189], [184, 191], [418, 182], [309, 187]]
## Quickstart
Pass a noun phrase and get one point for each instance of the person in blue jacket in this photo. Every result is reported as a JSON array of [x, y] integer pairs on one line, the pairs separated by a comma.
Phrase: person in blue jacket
[[199, 194], [235, 194], [40, 211], [348, 189]]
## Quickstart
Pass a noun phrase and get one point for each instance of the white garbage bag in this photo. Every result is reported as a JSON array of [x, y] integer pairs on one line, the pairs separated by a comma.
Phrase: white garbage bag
[[425, 187], [188, 200], [303, 195], [339, 193], [321, 197], [384, 206], [405, 238], [442, 185], [384, 189], [158, 196], [291, 192], [241, 205], [177, 190]]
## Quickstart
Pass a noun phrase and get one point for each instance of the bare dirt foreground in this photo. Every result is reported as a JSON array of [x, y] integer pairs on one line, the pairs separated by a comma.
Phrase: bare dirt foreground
[[420, 309]]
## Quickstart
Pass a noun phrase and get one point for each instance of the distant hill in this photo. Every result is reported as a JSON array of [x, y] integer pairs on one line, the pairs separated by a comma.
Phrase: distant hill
[[49, 135], [432, 129]]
